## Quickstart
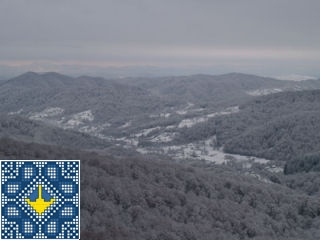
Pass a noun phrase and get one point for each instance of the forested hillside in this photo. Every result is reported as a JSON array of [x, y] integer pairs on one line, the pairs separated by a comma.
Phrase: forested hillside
[[280, 126], [306, 163], [106, 99], [217, 90], [205, 193], [23, 129], [150, 199]]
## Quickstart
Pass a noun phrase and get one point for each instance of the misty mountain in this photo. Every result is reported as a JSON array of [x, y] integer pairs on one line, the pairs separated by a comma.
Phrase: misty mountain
[[150, 199]]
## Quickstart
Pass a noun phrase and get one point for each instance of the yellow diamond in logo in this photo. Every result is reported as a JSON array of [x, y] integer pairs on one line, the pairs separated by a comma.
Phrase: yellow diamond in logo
[[40, 205]]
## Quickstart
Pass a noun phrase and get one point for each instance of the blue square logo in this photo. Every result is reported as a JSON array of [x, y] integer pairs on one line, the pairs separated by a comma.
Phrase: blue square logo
[[40, 199]]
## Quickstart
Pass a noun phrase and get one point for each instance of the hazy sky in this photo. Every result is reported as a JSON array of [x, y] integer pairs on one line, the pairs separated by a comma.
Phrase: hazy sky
[[260, 36]]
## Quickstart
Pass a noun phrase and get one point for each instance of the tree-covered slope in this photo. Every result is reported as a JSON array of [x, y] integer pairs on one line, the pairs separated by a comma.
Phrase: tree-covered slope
[[148, 199], [280, 126], [217, 90], [23, 129], [106, 99]]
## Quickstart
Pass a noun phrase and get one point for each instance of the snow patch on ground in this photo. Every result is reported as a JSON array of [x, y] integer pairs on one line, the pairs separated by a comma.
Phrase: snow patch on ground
[[16, 113], [275, 169], [192, 121], [161, 115], [127, 124], [142, 151], [79, 119], [295, 77], [46, 113], [260, 160], [262, 92], [95, 130], [189, 105], [185, 110], [146, 131], [165, 115], [181, 112], [163, 137], [203, 150], [129, 142], [227, 111], [257, 176]]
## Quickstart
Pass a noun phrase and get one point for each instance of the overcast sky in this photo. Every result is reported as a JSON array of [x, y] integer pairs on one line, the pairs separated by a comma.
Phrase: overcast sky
[[270, 37]]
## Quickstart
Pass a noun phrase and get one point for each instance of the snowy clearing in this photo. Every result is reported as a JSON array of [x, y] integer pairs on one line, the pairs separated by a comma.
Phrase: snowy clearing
[[262, 92], [46, 113], [79, 119], [203, 150], [192, 121], [17, 112], [146, 131], [127, 124], [163, 137]]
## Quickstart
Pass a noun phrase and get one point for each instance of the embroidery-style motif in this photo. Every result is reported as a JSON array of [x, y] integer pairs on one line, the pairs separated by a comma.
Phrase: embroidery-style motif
[[40, 199]]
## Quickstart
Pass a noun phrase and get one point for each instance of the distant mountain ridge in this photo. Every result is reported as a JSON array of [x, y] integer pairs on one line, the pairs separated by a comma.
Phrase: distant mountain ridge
[[107, 99], [52, 88], [116, 109], [223, 89], [123, 109]]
